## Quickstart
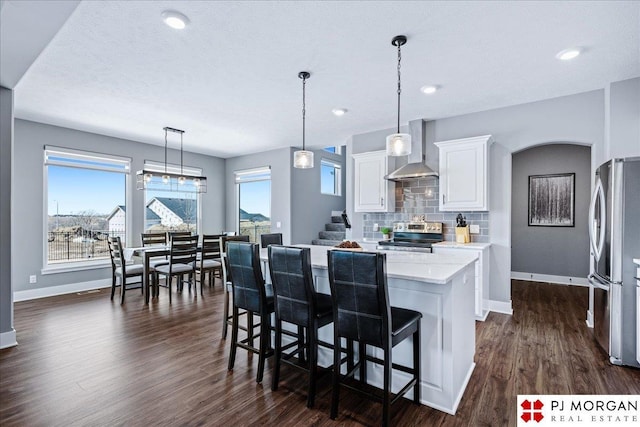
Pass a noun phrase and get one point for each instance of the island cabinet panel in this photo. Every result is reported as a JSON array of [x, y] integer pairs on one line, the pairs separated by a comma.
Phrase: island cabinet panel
[[440, 287], [464, 174], [481, 279], [372, 192]]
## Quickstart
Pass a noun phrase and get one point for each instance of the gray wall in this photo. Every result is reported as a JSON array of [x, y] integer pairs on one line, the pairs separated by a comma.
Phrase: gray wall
[[279, 161], [295, 194], [6, 146], [576, 118], [559, 251], [311, 210], [624, 134], [30, 139]]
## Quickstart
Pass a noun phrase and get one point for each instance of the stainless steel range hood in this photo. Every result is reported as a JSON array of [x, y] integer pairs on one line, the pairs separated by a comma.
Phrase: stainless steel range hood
[[416, 168]]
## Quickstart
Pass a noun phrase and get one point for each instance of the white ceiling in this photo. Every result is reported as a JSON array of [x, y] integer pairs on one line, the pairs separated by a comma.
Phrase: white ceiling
[[230, 78]]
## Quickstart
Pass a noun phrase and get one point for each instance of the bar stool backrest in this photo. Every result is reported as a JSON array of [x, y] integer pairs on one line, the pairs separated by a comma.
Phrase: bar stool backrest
[[360, 297], [248, 284], [292, 281]]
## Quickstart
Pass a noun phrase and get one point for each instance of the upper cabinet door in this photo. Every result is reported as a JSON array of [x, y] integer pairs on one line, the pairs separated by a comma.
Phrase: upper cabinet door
[[372, 192], [464, 174]]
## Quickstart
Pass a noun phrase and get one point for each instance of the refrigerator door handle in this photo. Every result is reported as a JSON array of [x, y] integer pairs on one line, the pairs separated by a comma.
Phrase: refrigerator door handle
[[597, 241]]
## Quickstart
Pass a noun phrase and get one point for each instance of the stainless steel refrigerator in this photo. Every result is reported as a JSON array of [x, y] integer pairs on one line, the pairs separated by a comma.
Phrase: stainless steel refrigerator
[[614, 230]]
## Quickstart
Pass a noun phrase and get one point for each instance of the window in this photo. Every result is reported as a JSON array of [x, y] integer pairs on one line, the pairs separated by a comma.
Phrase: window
[[86, 202], [330, 178], [253, 189], [335, 150], [171, 206]]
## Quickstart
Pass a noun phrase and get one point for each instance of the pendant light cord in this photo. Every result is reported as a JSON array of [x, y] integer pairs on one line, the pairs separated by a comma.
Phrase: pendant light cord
[[399, 88], [304, 111], [165, 150]]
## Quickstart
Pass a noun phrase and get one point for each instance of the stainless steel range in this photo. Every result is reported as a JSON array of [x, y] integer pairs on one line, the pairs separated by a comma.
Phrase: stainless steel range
[[414, 236]]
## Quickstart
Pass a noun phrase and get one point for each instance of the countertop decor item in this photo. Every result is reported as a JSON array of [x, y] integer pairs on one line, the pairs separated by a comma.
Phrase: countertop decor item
[[399, 144], [172, 180], [462, 230], [303, 159], [386, 232]]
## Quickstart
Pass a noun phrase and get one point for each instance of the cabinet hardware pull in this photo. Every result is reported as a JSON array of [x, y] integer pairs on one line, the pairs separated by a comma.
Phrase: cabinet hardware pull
[[443, 199], [381, 201]]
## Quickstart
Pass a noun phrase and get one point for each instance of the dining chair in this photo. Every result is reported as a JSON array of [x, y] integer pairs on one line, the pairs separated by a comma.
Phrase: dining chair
[[250, 293], [270, 239], [362, 312], [120, 269], [208, 258], [170, 234], [155, 239], [297, 303], [226, 281], [182, 261]]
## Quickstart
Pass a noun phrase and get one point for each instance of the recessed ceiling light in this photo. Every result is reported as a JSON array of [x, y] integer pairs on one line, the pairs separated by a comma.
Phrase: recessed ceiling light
[[339, 111], [175, 19], [429, 89], [568, 54]]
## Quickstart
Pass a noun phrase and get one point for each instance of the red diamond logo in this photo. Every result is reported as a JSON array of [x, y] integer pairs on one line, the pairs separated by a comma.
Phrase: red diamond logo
[[532, 411]]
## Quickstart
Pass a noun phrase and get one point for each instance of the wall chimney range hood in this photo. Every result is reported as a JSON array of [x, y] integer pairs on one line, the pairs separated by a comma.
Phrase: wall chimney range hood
[[416, 168]]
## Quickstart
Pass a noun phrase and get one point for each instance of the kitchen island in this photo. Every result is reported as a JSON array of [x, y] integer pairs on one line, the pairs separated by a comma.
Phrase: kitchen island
[[441, 287]]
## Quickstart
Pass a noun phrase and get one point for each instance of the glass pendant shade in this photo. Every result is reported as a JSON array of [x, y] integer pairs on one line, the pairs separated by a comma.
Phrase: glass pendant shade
[[165, 179], [399, 144], [303, 159]]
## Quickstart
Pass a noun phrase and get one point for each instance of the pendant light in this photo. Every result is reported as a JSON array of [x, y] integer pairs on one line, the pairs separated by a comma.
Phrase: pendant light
[[144, 178], [399, 144], [303, 159]]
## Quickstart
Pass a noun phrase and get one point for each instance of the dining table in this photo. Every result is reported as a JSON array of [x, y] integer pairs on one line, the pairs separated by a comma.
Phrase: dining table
[[146, 253]]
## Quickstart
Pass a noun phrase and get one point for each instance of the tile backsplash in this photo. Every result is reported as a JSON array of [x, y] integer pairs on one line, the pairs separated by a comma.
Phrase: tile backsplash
[[421, 198]]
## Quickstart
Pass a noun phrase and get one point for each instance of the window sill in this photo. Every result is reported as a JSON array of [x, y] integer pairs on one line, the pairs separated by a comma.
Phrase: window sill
[[330, 194], [75, 266]]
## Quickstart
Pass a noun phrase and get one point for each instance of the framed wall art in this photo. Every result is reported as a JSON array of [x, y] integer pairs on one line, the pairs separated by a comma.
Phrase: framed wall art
[[552, 200]]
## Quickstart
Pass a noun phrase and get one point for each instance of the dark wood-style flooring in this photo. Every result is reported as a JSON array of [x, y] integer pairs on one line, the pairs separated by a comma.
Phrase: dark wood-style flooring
[[83, 360]]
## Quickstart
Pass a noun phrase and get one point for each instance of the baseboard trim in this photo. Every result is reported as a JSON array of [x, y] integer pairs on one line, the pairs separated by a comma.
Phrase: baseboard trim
[[549, 278], [8, 339], [589, 319], [60, 290], [500, 307]]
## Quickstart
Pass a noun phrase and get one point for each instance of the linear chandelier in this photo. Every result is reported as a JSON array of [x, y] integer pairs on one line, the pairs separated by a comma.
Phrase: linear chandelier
[[168, 180]]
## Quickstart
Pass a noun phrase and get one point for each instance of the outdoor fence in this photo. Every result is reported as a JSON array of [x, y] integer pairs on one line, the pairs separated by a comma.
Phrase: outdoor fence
[[254, 230], [64, 246]]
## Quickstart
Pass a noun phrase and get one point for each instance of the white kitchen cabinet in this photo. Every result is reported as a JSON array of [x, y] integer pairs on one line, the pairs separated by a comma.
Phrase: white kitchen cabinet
[[464, 174], [481, 271], [372, 192]]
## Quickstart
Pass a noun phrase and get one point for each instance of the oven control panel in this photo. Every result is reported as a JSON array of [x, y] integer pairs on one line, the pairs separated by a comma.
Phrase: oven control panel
[[418, 227]]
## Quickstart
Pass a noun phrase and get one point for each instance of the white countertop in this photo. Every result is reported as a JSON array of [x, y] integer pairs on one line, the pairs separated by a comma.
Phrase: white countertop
[[421, 267], [473, 245]]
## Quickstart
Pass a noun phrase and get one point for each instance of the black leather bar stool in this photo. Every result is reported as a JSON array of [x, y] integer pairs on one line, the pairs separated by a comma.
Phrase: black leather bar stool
[[299, 304], [251, 294], [362, 312], [226, 281]]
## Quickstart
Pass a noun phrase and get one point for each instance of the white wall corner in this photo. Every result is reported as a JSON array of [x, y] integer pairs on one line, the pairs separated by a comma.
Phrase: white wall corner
[[8, 339], [501, 307]]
